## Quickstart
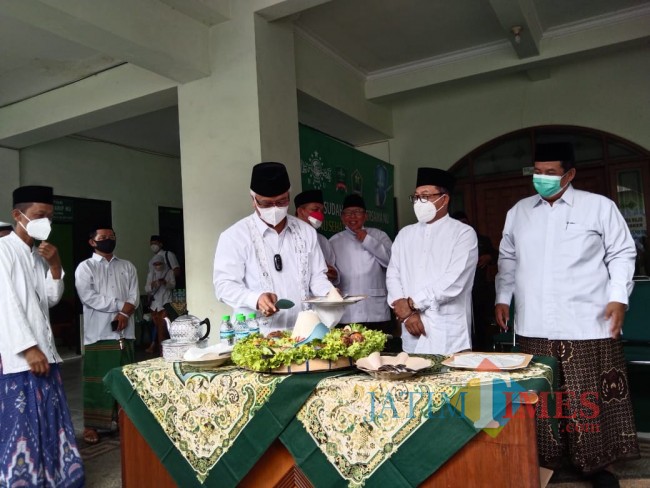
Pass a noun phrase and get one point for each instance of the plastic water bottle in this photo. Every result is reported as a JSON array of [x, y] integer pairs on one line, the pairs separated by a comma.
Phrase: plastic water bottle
[[226, 331], [253, 325], [241, 329]]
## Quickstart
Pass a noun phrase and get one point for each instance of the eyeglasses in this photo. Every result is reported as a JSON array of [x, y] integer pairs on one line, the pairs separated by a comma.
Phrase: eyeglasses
[[351, 213], [277, 203], [423, 198]]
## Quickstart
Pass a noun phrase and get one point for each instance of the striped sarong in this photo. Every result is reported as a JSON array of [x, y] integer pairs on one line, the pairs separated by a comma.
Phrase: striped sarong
[[100, 409], [596, 426], [37, 440]]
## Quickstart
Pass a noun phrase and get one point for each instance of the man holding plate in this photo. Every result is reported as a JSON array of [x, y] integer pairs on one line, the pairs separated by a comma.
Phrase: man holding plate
[[269, 255]]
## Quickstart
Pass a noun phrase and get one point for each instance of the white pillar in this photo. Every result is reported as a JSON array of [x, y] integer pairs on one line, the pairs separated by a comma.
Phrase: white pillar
[[244, 113]]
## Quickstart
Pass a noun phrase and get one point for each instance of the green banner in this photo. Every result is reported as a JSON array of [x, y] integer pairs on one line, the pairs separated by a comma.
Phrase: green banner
[[338, 170]]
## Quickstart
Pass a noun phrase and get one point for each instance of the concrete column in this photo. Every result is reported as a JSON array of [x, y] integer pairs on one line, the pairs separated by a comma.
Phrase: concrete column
[[244, 113], [10, 177]]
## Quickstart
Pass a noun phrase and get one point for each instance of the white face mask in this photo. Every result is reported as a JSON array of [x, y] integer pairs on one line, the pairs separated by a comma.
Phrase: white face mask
[[38, 229], [155, 248], [425, 211], [315, 223], [273, 215]]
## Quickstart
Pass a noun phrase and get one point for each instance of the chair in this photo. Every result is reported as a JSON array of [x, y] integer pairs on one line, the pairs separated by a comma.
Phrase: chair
[[636, 347], [636, 329]]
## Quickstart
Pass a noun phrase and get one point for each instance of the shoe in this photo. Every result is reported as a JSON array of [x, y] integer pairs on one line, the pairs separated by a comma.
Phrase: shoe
[[90, 436], [604, 479]]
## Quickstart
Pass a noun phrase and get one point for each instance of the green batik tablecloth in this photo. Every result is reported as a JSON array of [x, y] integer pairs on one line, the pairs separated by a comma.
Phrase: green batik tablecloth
[[210, 426]]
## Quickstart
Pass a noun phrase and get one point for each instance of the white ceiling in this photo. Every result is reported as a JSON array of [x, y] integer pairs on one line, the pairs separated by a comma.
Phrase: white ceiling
[[377, 38]]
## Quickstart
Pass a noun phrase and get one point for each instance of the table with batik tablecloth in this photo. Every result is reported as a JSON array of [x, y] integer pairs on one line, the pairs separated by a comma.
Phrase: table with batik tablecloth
[[210, 427]]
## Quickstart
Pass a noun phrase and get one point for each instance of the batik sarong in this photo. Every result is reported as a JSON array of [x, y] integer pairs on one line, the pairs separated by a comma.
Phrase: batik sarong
[[590, 421], [37, 440], [100, 409]]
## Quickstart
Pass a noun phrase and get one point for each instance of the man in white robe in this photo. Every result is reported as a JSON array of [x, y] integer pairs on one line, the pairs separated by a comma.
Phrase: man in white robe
[[567, 258], [310, 208], [269, 255], [363, 254], [35, 422], [431, 271]]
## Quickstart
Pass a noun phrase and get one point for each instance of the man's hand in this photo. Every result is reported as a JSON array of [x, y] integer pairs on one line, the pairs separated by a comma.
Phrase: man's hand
[[332, 274], [37, 361], [502, 314], [483, 261], [414, 325], [128, 308], [401, 308], [50, 253], [122, 322], [266, 304], [615, 313], [361, 234]]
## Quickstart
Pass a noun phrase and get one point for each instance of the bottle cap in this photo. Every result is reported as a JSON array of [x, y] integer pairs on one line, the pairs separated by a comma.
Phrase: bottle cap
[[252, 315], [225, 317]]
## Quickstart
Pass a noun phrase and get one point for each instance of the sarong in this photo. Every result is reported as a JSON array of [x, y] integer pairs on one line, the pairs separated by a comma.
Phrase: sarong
[[100, 409], [37, 440], [595, 422]]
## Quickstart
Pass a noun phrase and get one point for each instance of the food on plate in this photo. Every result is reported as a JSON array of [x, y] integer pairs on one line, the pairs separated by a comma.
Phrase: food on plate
[[334, 296], [280, 349]]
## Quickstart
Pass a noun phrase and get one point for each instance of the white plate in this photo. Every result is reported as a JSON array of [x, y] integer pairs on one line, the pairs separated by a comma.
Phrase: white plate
[[488, 361], [209, 362], [323, 301]]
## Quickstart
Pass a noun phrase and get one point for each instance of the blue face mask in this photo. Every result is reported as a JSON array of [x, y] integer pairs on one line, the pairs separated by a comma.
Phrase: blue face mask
[[547, 185]]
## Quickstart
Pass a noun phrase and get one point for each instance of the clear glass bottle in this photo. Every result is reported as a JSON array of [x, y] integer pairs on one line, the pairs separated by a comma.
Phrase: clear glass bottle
[[252, 323], [241, 329], [226, 331]]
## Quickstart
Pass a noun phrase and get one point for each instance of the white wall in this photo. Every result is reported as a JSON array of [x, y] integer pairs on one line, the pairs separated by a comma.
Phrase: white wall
[[9, 180], [437, 128], [135, 182]]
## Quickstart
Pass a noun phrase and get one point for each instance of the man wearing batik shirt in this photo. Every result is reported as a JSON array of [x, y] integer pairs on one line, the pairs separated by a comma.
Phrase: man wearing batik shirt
[[568, 257], [37, 439]]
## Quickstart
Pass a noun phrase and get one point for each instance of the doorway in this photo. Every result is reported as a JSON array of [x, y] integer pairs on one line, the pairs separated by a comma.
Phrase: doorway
[[170, 228], [73, 218]]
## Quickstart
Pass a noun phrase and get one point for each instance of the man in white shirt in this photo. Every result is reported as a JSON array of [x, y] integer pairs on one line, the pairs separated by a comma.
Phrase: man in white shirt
[[568, 258], [269, 255], [108, 289], [362, 255], [309, 208], [33, 426], [431, 271]]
